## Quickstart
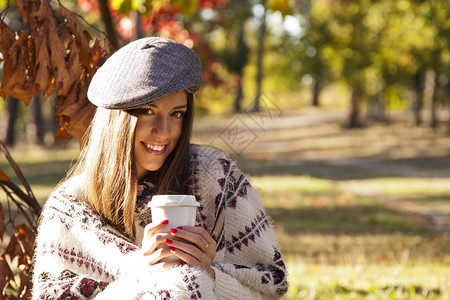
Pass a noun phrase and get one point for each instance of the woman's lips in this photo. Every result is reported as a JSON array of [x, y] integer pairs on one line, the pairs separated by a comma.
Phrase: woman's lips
[[157, 149]]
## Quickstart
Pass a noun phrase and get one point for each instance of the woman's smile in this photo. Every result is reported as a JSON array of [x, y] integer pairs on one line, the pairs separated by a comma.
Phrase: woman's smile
[[157, 149], [158, 130]]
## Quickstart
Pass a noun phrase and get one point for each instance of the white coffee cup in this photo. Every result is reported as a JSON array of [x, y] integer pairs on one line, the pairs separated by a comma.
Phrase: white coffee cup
[[180, 210]]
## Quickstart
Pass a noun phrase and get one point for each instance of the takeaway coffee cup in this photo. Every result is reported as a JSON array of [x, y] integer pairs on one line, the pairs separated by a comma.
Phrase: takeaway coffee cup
[[180, 210]]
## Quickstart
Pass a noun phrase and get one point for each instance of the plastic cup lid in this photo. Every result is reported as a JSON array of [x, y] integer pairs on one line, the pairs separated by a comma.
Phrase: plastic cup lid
[[173, 200]]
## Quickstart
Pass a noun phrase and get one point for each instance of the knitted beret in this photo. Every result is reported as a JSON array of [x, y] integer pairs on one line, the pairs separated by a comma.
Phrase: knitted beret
[[144, 71]]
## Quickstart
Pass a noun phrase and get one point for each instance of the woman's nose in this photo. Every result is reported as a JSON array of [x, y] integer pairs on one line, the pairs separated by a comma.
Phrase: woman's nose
[[161, 128]]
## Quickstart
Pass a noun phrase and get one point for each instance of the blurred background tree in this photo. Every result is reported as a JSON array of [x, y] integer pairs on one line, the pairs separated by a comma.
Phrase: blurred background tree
[[376, 57], [375, 60]]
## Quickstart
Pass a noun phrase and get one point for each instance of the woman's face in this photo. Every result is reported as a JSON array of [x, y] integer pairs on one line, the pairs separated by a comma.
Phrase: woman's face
[[158, 130]]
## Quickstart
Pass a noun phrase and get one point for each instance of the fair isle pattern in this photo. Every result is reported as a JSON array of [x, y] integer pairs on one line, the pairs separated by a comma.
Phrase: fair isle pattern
[[249, 233], [74, 210], [197, 170], [69, 210], [80, 256], [84, 276], [70, 289], [192, 286], [241, 227]]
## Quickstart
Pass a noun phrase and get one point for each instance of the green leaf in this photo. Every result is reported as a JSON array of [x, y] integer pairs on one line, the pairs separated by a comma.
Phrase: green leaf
[[139, 5], [125, 8], [283, 6], [187, 7], [3, 3], [116, 4]]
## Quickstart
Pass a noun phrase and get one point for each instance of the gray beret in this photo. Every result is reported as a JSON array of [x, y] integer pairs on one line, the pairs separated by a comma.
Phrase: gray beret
[[144, 71]]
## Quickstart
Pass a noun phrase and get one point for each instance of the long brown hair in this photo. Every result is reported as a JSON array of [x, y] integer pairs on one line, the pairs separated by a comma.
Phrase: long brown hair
[[107, 165], [174, 176]]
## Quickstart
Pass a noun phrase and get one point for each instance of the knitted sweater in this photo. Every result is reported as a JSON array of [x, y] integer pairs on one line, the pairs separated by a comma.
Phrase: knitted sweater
[[79, 256]]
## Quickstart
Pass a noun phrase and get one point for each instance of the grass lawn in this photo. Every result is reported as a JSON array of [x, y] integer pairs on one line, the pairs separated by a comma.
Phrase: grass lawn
[[341, 245], [354, 220]]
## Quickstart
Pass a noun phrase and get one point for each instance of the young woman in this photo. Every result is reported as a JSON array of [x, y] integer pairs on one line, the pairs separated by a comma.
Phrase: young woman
[[96, 238]]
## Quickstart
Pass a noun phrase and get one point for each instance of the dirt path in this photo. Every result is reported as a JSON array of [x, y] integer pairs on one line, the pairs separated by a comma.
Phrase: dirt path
[[314, 143]]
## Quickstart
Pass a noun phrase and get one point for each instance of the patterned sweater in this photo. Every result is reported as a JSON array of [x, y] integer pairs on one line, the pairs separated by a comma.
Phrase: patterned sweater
[[79, 256]]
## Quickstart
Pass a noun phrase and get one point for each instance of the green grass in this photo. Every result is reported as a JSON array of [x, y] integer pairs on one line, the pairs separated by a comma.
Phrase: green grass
[[342, 241], [348, 239], [42, 168]]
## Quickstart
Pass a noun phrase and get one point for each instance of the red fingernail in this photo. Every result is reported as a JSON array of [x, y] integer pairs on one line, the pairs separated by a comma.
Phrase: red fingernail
[[180, 227], [173, 230], [182, 263], [172, 249], [165, 222], [168, 241]]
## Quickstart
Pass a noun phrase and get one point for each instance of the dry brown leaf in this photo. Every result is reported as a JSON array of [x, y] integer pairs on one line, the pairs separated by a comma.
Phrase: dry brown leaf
[[81, 121], [24, 6], [61, 134], [16, 84], [13, 249], [5, 44], [4, 177], [7, 36], [58, 62], [82, 37], [41, 12], [43, 77], [54, 54], [26, 238], [6, 273]]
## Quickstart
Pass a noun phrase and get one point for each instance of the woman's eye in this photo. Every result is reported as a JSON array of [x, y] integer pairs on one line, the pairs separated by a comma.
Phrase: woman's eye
[[178, 114], [145, 112]]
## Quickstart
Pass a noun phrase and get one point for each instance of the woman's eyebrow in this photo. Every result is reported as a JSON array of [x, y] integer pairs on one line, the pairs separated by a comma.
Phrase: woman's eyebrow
[[179, 107], [176, 107]]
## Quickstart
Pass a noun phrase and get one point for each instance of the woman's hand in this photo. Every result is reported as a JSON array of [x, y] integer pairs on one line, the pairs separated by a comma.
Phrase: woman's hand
[[155, 248], [199, 251]]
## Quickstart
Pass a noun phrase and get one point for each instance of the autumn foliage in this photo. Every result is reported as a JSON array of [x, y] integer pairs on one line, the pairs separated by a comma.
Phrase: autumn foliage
[[16, 256], [15, 262], [54, 55]]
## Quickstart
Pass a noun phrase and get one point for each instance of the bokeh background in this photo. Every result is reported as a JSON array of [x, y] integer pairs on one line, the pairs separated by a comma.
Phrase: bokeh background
[[338, 110]]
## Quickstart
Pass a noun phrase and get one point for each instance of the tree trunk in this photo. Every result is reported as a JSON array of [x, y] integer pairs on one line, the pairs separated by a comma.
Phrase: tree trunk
[[448, 109], [417, 100], [429, 96], [137, 18], [241, 60], [352, 119], [377, 108], [35, 130], [8, 134], [316, 91], [239, 95], [259, 60], [108, 22]]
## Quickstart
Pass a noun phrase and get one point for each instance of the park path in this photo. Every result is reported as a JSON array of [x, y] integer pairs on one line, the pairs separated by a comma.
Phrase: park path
[[313, 142]]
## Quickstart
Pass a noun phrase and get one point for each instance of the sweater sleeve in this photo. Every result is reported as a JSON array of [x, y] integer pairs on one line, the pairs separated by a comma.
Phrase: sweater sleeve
[[251, 265], [229, 287], [77, 257], [66, 264]]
